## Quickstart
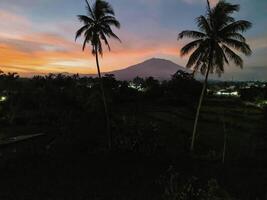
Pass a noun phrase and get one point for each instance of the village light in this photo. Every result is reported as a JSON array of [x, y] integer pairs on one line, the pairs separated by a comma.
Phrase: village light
[[3, 98], [226, 93]]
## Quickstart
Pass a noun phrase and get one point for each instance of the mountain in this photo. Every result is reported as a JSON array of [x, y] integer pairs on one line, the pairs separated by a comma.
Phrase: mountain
[[162, 69], [158, 68]]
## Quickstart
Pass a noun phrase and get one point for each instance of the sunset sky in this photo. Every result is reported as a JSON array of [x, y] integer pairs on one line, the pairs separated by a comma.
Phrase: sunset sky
[[37, 36]]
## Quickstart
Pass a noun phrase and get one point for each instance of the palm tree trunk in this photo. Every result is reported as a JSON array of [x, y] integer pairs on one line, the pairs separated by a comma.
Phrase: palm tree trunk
[[198, 110], [104, 101], [202, 97]]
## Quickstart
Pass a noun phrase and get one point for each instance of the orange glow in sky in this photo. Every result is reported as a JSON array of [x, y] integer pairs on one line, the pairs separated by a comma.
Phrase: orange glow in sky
[[33, 41], [28, 52]]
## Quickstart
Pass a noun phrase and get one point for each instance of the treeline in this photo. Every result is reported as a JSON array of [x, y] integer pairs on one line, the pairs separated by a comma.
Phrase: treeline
[[253, 93], [57, 104]]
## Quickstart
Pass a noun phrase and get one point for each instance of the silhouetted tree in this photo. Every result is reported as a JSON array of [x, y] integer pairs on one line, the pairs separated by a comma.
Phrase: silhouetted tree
[[252, 94], [219, 34], [151, 83], [182, 89], [97, 28], [182, 75], [139, 83]]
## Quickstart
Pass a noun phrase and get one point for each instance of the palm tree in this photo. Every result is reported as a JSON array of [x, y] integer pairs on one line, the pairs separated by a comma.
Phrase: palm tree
[[218, 36], [97, 28]]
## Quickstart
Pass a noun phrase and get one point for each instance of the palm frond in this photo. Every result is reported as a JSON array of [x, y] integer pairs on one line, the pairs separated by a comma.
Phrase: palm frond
[[191, 34], [81, 31], [227, 8], [240, 25], [221, 14], [236, 36], [88, 35], [103, 37], [233, 56], [190, 46], [219, 58], [84, 43], [240, 46], [108, 31], [97, 25], [99, 46], [193, 59], [201, 63], [203, 68], [110, 20], [85, 19], [203, 24], [107, 7], [102, 8], [218, 34]]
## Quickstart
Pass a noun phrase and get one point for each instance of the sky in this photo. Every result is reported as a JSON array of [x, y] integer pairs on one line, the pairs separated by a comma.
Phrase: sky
[[37, 36]]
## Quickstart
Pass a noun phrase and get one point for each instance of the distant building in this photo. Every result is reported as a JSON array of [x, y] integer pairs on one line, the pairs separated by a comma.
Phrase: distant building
[[228, 93]]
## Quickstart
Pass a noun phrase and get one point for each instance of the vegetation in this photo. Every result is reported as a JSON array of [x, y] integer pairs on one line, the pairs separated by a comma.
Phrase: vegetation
[[151, 131], [177, 189], [220, 33]]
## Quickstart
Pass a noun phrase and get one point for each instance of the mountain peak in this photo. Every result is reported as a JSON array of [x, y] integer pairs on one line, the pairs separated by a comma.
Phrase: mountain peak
[[158, 68], [157, 60]]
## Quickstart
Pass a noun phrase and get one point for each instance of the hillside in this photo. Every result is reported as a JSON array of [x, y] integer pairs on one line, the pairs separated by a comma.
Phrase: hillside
[[158, 68]]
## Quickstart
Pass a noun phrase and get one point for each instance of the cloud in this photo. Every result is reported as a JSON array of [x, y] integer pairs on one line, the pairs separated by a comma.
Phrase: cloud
[[258, 43], [26, 50], [29, 45], [9, 17], [12, 25], [47, 52]]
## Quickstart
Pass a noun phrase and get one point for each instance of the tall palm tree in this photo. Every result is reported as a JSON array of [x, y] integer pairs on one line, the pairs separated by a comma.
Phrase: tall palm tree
[[97, 29], [219, 36]]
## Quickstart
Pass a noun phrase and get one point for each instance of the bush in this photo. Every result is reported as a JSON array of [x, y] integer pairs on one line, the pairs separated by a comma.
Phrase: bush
[[177, 188], [138, 137]]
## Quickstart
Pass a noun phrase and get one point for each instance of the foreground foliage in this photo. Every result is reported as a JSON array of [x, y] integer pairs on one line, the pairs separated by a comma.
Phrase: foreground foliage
[[152, 130]]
